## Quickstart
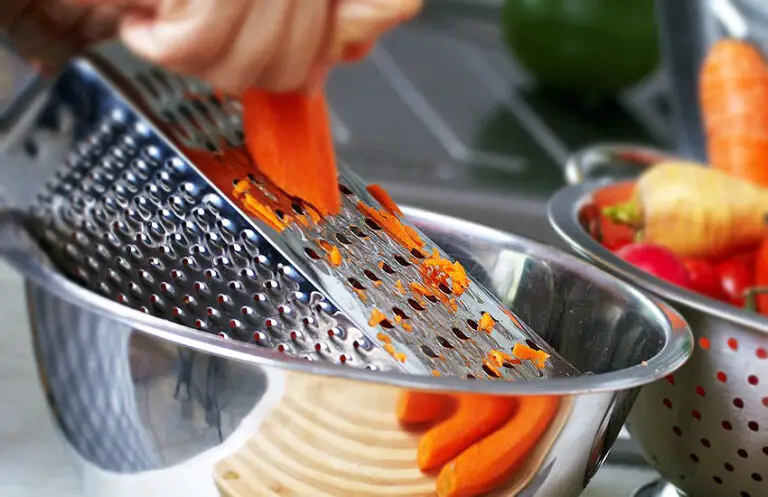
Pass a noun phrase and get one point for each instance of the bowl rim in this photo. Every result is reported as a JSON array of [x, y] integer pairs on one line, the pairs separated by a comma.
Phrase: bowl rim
[[563, 210], [675, 351]]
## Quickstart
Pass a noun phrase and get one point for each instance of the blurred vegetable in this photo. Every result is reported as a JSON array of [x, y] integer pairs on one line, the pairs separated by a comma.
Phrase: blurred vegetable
[[737, 275], [733, 90], [658, 261], [595, 46], [761, 276], [695, 211], [704, 278]]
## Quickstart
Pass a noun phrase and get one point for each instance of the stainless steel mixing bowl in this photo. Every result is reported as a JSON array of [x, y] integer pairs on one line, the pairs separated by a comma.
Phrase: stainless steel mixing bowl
[[705, 428], [148, 407]]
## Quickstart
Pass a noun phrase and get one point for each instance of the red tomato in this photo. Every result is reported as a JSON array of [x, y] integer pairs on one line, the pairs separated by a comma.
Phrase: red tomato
[[737, 275], [704, 278], [614, 236], [761, 276], [658, 261]]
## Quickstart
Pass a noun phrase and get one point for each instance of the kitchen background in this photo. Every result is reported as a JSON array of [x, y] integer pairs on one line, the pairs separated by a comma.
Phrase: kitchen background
[[445, 118]]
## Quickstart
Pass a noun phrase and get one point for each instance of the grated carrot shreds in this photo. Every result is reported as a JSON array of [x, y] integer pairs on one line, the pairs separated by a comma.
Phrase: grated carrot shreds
[[377, 317], [381, 196], [387, 341], [486, 323], [404, 235], [492, 367], [524, 352], [420, 290], [261, 211], [407, 327], [498, 358], [334, 257], [399, 287], [435, 372]]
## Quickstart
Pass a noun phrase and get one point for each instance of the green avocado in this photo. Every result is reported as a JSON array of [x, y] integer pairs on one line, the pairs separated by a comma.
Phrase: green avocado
[[583, 46]]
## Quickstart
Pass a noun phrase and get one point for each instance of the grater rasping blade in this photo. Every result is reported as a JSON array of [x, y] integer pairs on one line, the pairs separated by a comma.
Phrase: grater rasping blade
[[144, 213]]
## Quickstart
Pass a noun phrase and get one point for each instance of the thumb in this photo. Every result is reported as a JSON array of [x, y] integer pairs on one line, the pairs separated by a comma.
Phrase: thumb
[[359, 23]]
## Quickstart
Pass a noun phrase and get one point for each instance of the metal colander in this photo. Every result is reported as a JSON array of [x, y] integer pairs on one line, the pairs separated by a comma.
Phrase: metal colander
[[143, 212], [705, 428]]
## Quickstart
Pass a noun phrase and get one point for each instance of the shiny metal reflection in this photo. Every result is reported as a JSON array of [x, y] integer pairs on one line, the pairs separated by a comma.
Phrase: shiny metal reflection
[[151, 408]]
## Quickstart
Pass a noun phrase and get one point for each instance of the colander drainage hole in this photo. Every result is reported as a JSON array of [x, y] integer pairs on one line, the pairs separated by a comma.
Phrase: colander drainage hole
[[667, 403], [677, 431], [742, 453], [705, 443], [717, 480], [694, 457], [728, 467], [737, 402], [727, 425]]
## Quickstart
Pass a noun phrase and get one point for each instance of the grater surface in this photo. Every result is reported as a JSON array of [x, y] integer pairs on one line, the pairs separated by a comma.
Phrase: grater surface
[[144, 212]]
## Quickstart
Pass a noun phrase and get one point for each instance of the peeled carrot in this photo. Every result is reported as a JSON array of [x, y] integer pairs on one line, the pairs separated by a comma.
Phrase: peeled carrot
[[415, 407], [475, 417], [733, 90], [695, 211], [382, 196], [289, 138], [488, 464]]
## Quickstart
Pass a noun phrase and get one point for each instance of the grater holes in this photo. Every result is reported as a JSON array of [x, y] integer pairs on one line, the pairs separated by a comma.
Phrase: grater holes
[[147, 85], [371, 276], [346, 191], [415, 305], [472, 324], [372, 224], [342, 239], [164, 82], [386, 268], [358, 232], [459, 334], [490, 372], [444, 343], [401, 260], [312, 254]]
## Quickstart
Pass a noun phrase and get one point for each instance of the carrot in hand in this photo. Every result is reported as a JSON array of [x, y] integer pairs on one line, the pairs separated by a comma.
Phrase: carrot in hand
[[489, 463], [694, 211], [289, 138], [733, 89]]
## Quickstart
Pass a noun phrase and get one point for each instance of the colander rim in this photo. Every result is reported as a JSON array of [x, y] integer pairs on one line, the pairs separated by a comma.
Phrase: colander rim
[[563, 209]]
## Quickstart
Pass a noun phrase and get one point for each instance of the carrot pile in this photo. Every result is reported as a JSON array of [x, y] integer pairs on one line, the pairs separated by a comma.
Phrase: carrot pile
[[476, 442]]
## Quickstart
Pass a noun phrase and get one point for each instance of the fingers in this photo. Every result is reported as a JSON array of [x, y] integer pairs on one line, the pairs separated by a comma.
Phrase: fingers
[[360, 23]]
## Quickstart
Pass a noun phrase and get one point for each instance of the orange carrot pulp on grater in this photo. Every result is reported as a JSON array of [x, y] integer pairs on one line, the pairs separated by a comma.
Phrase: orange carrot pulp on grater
[[289, 138]]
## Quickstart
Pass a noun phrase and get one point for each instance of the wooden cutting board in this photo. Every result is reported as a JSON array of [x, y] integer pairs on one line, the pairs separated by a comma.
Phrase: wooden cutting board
[[341, 438]]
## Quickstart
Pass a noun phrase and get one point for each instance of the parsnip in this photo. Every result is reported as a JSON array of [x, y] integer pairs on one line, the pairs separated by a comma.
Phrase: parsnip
[[695, 211]]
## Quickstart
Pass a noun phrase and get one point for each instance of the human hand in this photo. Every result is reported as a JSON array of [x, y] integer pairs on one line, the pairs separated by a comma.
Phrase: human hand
[[278, 45]]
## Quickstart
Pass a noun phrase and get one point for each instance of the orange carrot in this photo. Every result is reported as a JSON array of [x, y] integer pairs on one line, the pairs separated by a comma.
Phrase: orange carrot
[[289, 138], [524, 352], [486, 323], [382, 196], [486, 465], [415, 407], [695, 211], [733, 90], [475, 417]]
